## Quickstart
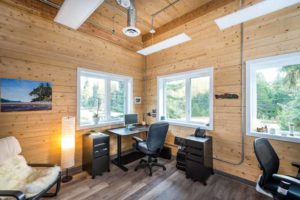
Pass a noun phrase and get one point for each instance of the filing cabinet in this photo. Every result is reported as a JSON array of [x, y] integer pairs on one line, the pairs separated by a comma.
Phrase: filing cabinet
[[199, 162], [195, 157], [95, 157]]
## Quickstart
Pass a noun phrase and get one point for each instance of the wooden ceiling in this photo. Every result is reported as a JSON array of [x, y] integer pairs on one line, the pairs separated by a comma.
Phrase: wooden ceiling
[[111, 16], [103, 16]]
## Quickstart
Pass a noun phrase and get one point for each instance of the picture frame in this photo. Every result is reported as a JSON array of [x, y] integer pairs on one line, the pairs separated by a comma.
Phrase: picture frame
[[25, 95]]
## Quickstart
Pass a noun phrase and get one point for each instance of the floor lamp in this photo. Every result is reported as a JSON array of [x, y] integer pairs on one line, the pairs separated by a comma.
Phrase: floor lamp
[[67, 146]]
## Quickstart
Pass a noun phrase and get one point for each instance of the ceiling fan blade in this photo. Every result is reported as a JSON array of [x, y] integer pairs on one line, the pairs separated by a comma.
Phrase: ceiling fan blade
[[74, 12]]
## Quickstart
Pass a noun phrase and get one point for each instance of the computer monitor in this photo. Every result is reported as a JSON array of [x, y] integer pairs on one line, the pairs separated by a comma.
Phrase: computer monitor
[[131, 119]]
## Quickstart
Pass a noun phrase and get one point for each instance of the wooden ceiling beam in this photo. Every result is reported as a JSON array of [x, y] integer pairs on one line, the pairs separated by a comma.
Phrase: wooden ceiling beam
[[91, 29], [38, 8], [198, 12]]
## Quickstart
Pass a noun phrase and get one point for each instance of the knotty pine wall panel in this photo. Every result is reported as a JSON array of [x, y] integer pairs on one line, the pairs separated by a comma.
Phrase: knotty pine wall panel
[[33, 48], [273, 34]]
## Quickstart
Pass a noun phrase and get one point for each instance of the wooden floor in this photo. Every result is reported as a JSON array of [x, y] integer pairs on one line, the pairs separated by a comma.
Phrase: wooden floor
[[165, 185]]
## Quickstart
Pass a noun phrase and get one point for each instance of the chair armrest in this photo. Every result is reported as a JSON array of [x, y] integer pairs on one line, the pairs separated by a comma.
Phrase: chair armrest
[[40, 165], [296, 164], [137, 139], [12, 193], [287, 179]]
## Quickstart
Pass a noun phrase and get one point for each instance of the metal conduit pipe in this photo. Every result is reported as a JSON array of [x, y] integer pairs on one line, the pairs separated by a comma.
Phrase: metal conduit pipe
[[243, 99], [165, 8], [50, 3]]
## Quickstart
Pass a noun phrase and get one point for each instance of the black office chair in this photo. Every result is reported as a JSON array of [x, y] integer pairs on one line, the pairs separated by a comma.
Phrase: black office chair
[[270, 183], [152, 146]]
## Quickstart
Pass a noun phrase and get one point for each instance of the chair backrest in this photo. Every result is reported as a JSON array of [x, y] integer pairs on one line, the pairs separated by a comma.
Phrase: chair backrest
[[9, 147], [157, 136], [267, 158]]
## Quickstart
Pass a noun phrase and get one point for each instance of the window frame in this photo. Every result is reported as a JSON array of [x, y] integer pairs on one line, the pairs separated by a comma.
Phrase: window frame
[[251, 95], [161, 96], [128, 81]]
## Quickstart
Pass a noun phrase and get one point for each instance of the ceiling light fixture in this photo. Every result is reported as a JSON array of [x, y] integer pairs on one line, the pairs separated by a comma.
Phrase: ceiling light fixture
[[74, 12], [124, 3], [173, 41], [152, 30], [252, 12], [130, 30]]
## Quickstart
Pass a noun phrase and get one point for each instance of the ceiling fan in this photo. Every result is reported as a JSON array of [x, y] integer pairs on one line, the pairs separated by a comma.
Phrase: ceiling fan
[[73, 13]]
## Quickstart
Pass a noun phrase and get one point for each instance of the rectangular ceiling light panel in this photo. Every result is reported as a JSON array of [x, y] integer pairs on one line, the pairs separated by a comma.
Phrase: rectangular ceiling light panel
[[173, 41], [74, 12], [252, 12]]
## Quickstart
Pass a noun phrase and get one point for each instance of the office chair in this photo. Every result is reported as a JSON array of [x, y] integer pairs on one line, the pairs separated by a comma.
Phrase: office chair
[[270, 183], [152, 146]]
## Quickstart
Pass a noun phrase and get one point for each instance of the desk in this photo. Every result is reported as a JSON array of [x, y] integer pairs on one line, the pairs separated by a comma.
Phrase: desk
[[119, 132]]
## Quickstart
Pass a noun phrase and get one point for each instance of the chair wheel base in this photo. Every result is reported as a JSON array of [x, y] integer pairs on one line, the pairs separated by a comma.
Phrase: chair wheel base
[[149, 164]]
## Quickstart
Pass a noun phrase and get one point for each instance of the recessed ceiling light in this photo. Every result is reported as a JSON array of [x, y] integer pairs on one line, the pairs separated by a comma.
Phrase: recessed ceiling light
[[178, 39], [252, 12], [74, 12]]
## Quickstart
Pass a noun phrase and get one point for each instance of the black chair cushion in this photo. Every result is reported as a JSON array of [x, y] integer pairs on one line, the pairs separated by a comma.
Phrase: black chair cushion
[[293, 193], [267, 158], [142, 146], [157, 136], [155, 140]]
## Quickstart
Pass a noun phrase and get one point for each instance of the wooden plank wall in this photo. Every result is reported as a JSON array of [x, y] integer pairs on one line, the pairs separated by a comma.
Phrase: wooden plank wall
[[274, 34], [33, 48]]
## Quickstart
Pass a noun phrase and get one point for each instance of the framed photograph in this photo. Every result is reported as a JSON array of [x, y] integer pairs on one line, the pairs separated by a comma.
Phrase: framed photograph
[[137, 100], [24, 95]]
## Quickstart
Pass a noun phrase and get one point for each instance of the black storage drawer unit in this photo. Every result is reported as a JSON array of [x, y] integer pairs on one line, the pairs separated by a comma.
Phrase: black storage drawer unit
[[100, 151], [196, 151], [180, 159], [198, 160], [195, 158], [95, 153]]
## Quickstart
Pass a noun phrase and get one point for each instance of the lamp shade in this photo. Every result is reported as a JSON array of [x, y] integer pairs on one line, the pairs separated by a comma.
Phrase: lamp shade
[[68, 142]]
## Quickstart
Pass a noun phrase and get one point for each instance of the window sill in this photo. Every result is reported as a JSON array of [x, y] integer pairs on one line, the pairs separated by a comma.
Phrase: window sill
[[100, 124], [188, 124], [277, 136]]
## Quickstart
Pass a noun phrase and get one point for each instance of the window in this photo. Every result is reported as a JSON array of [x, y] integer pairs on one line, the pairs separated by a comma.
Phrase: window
[[273, 97], [186, 98], [103, 98]]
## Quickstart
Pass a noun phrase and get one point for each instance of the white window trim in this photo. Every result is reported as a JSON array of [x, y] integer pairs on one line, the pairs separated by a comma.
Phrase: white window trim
[[110, 76], [251, 67], [185, 75]]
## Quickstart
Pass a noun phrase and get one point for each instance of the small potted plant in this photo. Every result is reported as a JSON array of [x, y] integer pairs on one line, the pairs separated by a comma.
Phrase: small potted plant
[[96, 116]]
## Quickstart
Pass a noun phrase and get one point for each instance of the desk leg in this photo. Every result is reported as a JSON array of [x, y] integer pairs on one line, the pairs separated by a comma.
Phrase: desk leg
[[119, 149], [118, 160]]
